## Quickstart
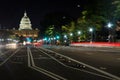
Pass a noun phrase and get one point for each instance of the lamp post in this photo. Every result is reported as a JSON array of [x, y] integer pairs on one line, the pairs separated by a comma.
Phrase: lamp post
[[79, 33], [71, 37], [57, 40], [71, 34], [57, 37], [109, 25], [110, 35], [91, 31], [65, 36], [65, 39]]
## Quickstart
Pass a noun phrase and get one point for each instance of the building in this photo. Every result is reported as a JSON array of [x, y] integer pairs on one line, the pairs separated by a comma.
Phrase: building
[[118, 31], [25, 33], [25, 28]]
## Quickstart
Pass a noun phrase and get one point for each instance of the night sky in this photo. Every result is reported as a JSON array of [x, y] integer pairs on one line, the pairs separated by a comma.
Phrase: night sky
[[11, 12]]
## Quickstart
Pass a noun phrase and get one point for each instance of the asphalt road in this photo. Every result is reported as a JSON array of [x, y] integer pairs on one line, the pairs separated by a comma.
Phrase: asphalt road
[[31, 63], [106, 59]]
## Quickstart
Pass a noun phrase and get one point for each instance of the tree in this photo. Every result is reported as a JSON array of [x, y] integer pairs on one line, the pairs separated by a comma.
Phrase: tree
[[103, 8], [50, 31], [85, 22], [116, 3], [57, 19], [99, 13], [69, 28]]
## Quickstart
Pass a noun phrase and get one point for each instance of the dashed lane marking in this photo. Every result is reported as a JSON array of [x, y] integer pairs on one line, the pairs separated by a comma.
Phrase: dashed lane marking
[[103, 68], [9, 57]]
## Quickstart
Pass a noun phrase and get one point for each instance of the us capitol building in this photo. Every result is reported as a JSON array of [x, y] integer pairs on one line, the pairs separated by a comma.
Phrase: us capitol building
[[24, 31], [25, 28]]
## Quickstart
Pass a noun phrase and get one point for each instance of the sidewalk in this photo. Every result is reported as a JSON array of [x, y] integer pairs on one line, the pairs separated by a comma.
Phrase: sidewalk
[[96, 44]]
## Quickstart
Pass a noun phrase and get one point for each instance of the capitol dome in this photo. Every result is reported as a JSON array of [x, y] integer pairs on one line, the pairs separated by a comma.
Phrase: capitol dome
[[25, 23]]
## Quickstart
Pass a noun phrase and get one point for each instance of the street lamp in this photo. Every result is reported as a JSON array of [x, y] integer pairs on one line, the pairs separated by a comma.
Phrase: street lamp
[[110, 25], [65, 39], [110, 36], [79, 32], [71, 37], [91, 31], [71, 34], [57, 37], [65, 36]]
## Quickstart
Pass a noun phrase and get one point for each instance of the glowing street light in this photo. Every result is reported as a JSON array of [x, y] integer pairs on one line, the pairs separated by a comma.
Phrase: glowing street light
[[79, 32], [109, 25], [57, 37], [71, 34], [45, 39], [91, 30], [110, 36], [65, 36], [54, 38]]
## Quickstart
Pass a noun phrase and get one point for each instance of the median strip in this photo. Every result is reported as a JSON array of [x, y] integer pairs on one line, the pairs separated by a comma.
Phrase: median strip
[[31, 64]]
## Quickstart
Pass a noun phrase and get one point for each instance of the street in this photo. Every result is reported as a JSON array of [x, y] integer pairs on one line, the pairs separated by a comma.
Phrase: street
[[60, 63]]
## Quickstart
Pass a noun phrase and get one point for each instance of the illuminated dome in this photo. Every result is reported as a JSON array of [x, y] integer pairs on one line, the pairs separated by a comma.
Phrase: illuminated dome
[[25, 23]]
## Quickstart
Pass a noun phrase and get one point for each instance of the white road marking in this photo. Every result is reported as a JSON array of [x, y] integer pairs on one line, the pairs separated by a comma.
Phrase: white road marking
[[76, 68], [103, 68], [31, 57], [28, 57], [1, 54], [9, 57], [48, 73], [89, 66], [42, 58]]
